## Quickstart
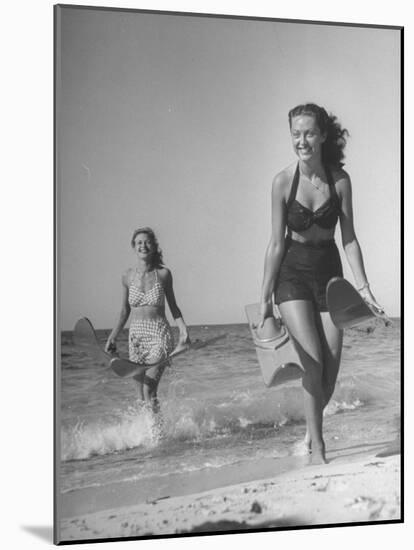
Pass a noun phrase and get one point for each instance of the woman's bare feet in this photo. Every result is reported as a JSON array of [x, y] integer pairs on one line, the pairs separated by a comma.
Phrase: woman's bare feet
[[308, 443], [303, 447], [318, 455]]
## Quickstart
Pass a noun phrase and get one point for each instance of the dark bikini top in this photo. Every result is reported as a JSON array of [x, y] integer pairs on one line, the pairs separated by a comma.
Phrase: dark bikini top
[[300, 218]]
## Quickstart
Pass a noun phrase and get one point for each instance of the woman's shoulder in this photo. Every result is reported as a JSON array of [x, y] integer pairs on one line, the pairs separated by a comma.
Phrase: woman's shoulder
[[163, 273], [283, 180], [339, 174], [127, 276], [285, 176], [341, 179]]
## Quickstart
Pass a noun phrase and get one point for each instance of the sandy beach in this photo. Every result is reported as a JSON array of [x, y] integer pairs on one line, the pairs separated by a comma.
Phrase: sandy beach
[[364, 487]]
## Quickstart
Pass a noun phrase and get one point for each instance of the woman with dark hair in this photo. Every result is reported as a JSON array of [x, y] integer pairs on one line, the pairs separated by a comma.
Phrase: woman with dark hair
[[144, 289], [308, 198]]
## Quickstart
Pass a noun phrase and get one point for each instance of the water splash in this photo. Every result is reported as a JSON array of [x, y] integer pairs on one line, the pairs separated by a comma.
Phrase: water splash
[[243, 416], [136, 427]]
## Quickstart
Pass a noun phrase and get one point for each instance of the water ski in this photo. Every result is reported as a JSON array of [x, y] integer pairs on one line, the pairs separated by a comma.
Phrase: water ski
[[85, 337], [279, 361], [347, 307]]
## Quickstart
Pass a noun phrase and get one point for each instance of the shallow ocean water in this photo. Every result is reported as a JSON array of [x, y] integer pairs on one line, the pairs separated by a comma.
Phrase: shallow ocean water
[[215, 408]]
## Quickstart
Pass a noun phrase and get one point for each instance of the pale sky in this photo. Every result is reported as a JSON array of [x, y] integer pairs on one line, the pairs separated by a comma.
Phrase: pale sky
[[180, 123]]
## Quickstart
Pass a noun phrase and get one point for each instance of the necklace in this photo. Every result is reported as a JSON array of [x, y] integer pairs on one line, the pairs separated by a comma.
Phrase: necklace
[[311, 180]]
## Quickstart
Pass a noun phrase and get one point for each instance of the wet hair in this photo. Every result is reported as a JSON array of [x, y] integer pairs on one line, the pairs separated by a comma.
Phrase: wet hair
[[157, 259], [334, 144]]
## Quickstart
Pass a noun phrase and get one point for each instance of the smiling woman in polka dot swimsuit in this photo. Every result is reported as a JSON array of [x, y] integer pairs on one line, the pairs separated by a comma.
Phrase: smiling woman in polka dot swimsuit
[[144, 289]]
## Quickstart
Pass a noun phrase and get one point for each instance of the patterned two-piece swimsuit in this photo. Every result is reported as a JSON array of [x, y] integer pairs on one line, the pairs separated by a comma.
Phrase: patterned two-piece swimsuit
[[150, 340]]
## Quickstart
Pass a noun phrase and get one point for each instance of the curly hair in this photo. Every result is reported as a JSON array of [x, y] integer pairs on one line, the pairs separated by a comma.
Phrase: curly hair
[[157, 259], [334, 145]]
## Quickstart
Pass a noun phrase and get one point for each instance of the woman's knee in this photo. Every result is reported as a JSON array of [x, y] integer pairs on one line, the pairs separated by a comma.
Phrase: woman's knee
[[299, 317], [312, 361], [328, 390], [330, 375], [331, 339], [313, 366], [312, 380]]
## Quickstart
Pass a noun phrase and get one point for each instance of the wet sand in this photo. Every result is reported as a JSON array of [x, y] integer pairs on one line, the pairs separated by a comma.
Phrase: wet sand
[[357, 485]]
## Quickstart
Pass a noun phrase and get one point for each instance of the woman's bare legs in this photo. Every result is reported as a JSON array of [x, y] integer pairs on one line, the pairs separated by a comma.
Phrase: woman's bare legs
[[331, 339], [299, 316], [147, 385], [139, 379]]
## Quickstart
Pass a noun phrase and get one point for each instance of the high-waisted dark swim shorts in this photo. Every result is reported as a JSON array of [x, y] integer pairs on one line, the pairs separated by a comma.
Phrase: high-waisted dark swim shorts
[[305, 272]]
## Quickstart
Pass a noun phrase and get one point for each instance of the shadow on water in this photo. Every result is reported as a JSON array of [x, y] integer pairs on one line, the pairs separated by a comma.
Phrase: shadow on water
[[231, 525], [40, 531]]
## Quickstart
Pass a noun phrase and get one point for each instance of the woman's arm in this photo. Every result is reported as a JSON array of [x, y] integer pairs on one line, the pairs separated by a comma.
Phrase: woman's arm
[[276, 246], [350, 242], [175, 310], [123, 316]]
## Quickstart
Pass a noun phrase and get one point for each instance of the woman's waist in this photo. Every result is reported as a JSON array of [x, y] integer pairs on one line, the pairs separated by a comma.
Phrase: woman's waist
[[310, 243], [147, 312], [309, 255]]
